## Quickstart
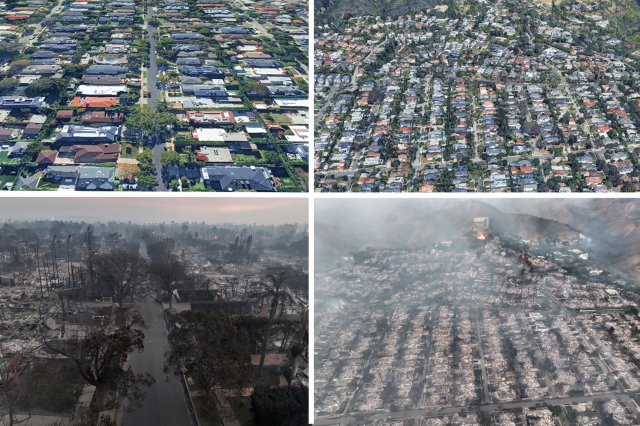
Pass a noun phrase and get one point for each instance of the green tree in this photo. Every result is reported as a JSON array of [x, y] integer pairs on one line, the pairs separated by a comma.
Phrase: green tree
[[174, 184], [147, 180], [273, 157], [256, 86], [9, 83], [46, 86], [145, 161], [9, 49], [149, 121], [170, 158], [34, 148]]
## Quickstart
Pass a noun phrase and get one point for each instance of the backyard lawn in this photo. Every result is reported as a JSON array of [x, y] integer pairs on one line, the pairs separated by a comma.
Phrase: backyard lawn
[[286, 183], [6, 178], [281, 118], [50, 184], [198, 186], [123, 151]]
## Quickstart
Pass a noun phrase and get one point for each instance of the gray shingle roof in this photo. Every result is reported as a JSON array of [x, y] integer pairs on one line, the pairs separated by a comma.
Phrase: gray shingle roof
[[236, 178]]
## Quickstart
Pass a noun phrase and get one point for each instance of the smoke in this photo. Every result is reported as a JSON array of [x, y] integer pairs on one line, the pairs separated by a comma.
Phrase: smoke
[[607, 229]]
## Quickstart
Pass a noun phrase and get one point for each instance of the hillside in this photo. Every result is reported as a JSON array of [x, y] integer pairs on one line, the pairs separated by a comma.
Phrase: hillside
[[417, 226], [331, 242], [333, 12], [449, 224], [613, 225]]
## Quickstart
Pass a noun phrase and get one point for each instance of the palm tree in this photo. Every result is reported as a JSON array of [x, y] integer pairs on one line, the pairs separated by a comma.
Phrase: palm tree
[[276, 289]]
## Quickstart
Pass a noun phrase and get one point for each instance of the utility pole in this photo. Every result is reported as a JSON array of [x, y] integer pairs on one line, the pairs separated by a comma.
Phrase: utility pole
[[89, 239], [54, 259], [39, 274], [48, 274], [68, 261]]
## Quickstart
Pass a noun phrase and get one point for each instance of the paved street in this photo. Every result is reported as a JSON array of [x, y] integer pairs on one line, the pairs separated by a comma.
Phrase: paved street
[[165, 404], [488, 408], [158, 149], [327, 103], [38, 25], [153, 68], [152, 71]]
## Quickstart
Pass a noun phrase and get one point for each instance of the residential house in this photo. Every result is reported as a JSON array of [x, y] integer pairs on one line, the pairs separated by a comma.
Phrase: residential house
[[81, 134], [229, 178]]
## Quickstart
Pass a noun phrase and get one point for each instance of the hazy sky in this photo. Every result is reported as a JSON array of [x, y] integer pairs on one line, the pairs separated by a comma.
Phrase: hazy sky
[[245, 210]]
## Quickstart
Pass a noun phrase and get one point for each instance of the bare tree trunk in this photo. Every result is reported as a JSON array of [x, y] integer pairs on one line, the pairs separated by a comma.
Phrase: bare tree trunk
[[267, 334], [39, 274], [294, 369], [170, 298], [102, 396], [54, 259], [68, 261], [47, 274], [90, 256]]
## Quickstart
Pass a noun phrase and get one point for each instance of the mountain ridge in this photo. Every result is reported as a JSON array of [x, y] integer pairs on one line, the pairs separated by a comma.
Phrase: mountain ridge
[[613, 226]]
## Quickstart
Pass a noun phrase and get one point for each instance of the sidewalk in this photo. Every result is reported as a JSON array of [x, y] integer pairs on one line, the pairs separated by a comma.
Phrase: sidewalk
[[38, 420]]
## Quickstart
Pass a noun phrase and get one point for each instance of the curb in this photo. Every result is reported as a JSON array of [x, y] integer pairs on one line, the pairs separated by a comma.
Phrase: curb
[[195, 414], [184, 379]]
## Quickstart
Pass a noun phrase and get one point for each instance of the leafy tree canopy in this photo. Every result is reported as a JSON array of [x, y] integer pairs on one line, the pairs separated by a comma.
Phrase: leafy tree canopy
[[149, 121]]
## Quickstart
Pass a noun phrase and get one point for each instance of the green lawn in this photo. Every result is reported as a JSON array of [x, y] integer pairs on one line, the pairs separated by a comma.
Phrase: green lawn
[[287, 183], [49, 184], [125, 154], [198, 185], [281, 118], [242, 159], [6, 160], [6, 178]]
